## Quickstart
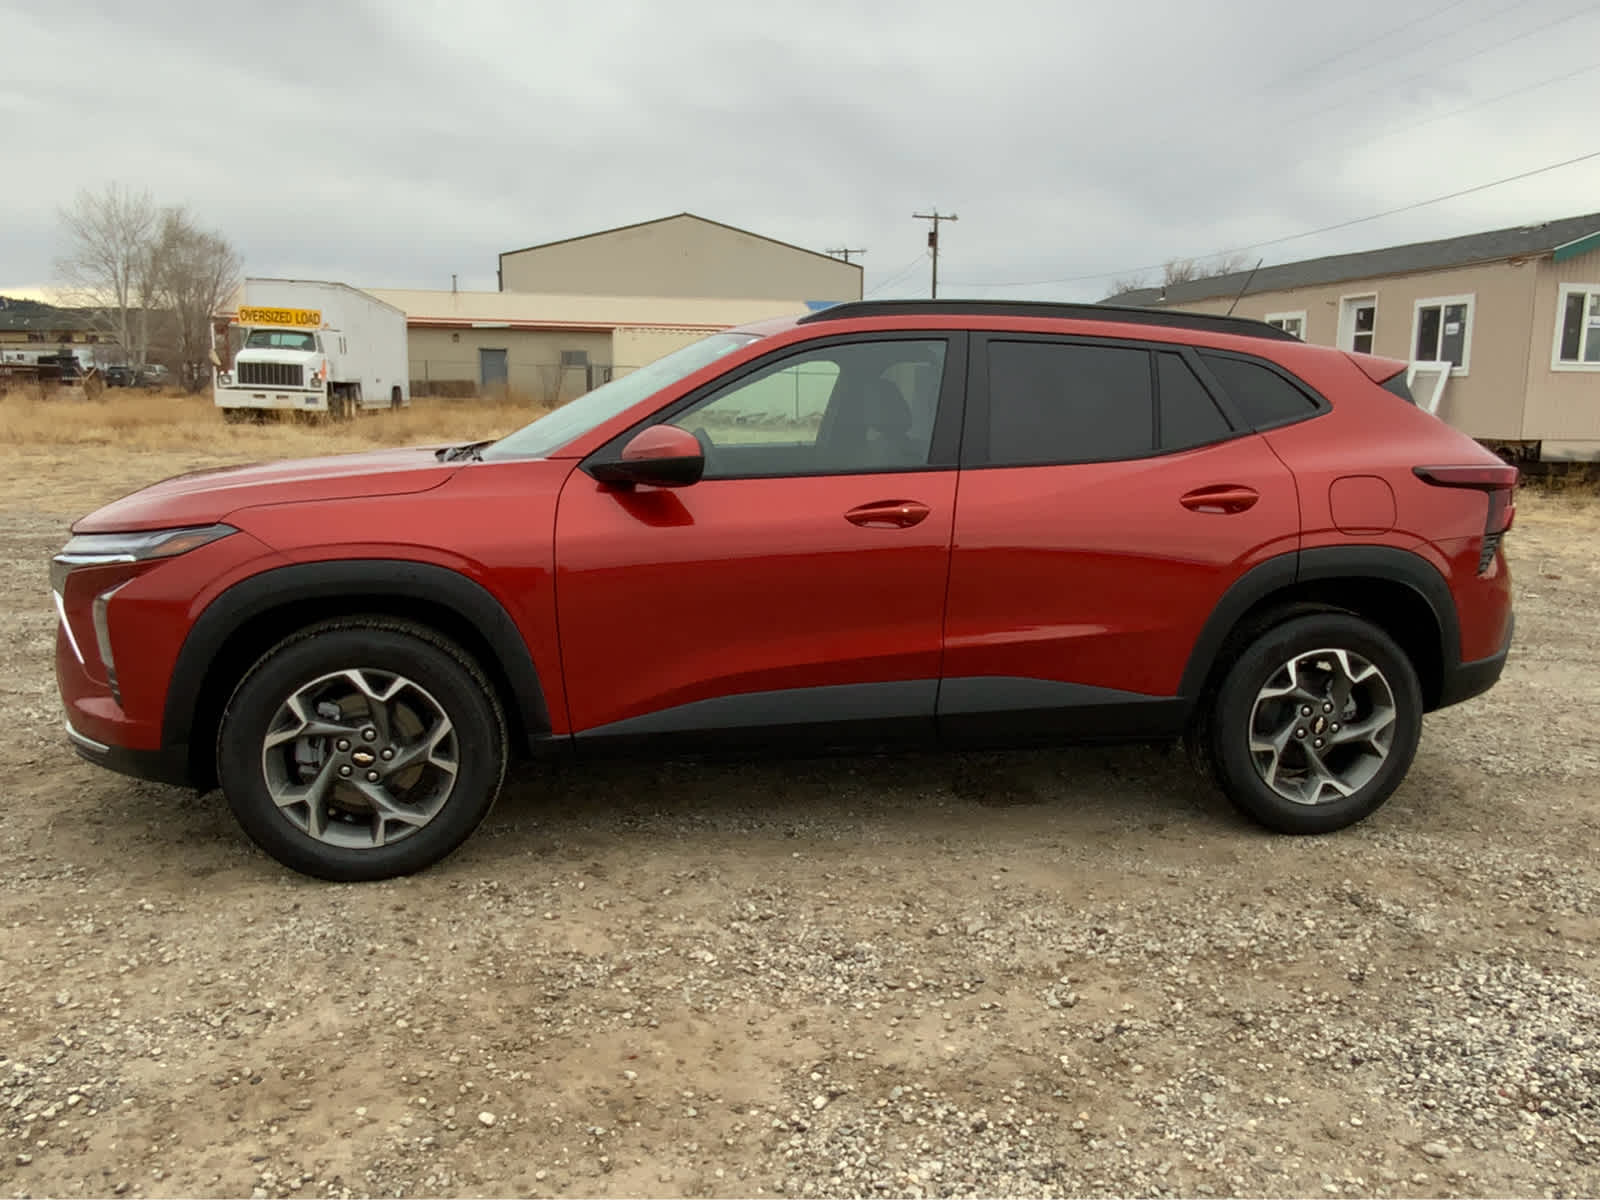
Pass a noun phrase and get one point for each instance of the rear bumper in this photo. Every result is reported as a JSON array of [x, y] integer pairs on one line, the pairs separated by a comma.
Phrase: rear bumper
[[1470, 679]]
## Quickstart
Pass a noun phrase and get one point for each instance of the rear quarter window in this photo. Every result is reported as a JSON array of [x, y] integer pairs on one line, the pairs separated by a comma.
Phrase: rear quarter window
[[1262, 396]]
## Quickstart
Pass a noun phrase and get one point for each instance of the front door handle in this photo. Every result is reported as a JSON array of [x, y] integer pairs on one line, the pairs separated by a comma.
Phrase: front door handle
[[888, 514], [1220, 498]]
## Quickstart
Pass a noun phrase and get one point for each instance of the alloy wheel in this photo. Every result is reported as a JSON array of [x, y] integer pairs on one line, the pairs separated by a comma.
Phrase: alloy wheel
[[1322, 726], [360, 758]]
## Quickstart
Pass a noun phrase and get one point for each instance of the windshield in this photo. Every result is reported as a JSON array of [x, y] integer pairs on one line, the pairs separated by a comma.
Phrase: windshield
[[555, 429], [280, 339]]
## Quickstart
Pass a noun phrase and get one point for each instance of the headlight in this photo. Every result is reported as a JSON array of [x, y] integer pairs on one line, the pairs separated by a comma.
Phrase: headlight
[[225, 378], [93, 567], [105, 549]]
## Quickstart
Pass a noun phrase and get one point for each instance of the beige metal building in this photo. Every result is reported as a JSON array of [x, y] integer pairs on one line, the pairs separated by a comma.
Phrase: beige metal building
[[551, 348], [680, 256], [1511, 317]]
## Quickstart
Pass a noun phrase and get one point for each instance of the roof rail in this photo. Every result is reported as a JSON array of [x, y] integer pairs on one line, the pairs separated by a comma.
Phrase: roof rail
[[1242, 326]]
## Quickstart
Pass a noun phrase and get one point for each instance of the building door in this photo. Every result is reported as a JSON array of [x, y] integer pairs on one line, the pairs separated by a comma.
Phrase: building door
[[492, 370], [1358, 323]]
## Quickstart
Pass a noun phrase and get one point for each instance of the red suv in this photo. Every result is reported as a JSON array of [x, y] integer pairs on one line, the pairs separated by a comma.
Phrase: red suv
[[962, 523]]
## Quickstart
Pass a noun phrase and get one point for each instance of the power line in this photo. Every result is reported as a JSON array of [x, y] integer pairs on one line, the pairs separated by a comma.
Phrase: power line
[[844, 253], [1299, 73], [1456, 62], [1339, 102], [1294, 237], [899, 275], [1456, 112]]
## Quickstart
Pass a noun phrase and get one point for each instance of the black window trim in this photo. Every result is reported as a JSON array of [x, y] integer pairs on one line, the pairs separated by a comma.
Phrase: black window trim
[[1319, 402], [944, 446], [975, 438]]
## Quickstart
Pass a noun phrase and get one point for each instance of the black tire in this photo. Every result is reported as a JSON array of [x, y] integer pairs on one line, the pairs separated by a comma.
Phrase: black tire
[[439, 671], [394, 399], [337, 410], [1228, 724], [236, 416]]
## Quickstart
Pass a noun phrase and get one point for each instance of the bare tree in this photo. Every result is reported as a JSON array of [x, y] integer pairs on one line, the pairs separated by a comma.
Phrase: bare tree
[[194, 271], [1182, 270], [108, 264], [1128, 283]]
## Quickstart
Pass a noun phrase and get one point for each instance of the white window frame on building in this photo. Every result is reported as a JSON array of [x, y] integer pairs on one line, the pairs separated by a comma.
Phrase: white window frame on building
[[1588, 328], [1349, 306], [1289, 322], [1443, 303]]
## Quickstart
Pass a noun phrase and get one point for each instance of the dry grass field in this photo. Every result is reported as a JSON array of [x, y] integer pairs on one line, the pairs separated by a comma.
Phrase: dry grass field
[[1068, 972]]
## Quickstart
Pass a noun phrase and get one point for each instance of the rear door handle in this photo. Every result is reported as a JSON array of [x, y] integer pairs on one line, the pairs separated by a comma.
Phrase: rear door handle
[[888, 514], [1220, 498]]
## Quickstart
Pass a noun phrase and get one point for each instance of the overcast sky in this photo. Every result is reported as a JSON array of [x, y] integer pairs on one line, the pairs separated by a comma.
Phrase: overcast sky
[[391, 144]]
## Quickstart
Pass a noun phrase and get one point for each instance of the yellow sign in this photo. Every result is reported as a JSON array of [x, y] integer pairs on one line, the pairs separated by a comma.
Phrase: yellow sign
[[281, 316]]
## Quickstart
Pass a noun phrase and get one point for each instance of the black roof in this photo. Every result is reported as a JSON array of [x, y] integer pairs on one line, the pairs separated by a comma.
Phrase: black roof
[[1516, 242], [1243, 326]]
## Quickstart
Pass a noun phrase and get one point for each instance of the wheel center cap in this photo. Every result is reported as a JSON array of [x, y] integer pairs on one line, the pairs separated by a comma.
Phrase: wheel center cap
[[363, 758], [1318, 727]]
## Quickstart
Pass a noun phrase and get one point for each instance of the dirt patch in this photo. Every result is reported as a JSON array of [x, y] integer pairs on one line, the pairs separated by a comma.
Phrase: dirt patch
[[1050, 973]]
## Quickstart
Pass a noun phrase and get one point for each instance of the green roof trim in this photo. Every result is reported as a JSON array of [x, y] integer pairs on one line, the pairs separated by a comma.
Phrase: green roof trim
[[1580, 246]]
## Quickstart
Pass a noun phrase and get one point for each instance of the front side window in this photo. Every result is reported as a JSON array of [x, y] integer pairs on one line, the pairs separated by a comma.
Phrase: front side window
[[1058, 402], [1578, 327], [1442, 331], [861, 406], [555, 429]]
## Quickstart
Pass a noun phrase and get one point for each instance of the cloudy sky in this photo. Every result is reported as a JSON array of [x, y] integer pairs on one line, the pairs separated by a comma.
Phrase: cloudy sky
[[393, 144]]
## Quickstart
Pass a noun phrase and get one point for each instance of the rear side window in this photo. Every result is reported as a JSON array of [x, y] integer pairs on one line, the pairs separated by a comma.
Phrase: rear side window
[[1061, 403], [1189, 416], [1397, 384], [1261, 395]]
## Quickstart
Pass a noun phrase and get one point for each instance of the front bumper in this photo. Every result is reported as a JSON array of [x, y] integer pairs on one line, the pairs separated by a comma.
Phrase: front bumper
[[272, 399], [1469, 679], [167, 765]]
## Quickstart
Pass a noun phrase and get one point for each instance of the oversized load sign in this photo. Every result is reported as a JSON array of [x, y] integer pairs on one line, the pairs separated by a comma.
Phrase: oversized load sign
[[298, 318]]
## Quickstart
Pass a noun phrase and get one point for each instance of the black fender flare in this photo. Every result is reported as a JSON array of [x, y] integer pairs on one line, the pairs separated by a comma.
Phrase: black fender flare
[[1323, 562], [341, 580]]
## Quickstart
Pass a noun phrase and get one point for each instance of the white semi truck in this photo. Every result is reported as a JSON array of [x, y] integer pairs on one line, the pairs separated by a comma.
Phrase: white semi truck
[[299, 345]]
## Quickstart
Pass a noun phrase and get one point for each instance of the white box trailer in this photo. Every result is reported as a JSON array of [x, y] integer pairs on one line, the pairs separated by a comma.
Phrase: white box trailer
[[301, 345]]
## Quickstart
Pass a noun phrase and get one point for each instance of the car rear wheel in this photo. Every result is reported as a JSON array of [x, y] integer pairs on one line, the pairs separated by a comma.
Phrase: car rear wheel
[[362, 749], [1316, 723]]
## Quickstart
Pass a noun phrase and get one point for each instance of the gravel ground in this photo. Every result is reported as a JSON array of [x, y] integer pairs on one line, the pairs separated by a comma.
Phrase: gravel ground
[[1071, 972]]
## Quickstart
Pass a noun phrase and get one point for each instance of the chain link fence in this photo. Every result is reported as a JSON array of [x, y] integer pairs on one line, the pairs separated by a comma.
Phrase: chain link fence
[[547, 383]]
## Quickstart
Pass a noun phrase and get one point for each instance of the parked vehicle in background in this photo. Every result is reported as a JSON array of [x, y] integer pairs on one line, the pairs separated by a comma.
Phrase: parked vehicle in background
[[297, 345], [1166, 524]]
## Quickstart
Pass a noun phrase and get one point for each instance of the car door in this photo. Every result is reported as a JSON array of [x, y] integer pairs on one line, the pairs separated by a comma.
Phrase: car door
[[798, 587], [1107, 502]]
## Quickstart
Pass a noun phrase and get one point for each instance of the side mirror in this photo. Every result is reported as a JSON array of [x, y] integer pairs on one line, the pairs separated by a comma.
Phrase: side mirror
[[662, 456], [216, 359]]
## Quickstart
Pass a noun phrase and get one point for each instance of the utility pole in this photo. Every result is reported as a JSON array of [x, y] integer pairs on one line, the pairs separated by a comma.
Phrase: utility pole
[[933, 240], [845, 254]]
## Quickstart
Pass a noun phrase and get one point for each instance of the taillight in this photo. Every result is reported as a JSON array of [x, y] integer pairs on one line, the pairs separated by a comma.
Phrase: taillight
[[1499, 481]]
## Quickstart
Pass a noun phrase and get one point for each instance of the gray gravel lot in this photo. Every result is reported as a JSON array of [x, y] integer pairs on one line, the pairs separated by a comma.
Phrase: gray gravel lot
[[1054, 973]]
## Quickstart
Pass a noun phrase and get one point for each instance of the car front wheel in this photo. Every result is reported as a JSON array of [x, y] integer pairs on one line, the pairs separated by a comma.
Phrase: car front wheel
[[1316, 723], [362, 749]]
